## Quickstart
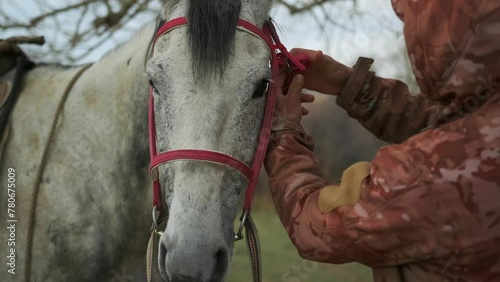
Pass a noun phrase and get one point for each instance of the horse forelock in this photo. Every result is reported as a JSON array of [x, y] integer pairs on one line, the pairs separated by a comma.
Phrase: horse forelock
[[211, 29]]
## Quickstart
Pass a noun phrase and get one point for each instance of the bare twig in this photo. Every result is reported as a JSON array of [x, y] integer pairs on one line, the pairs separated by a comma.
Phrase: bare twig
[[52, 13], [93, 22], [295, 9]]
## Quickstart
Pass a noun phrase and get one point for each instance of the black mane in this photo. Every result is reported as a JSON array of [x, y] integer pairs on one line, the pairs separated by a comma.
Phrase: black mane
[[211, 28]]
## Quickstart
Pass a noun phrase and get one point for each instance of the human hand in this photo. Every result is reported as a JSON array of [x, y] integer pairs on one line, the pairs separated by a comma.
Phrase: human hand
[[289, 105], [324, 75]]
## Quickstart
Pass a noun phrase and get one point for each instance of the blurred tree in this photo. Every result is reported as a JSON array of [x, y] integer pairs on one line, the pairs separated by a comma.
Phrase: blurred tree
[[75, 28]]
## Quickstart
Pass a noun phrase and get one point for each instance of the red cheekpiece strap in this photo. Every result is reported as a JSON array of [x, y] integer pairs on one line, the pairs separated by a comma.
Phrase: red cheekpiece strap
[[276, 60]]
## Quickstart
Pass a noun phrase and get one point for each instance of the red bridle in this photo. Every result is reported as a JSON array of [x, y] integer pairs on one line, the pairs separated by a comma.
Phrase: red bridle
[[280, 58]]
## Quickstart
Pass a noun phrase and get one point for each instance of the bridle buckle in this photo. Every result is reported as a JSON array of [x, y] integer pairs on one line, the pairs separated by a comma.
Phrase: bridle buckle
[[156, 218], [239, 235]]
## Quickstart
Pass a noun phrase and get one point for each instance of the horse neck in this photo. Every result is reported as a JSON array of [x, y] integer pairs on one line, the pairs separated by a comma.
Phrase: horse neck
[[123, 69], [119, 85]]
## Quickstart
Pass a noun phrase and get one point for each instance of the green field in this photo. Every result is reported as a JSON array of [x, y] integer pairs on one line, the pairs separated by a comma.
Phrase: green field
[[280, 261]]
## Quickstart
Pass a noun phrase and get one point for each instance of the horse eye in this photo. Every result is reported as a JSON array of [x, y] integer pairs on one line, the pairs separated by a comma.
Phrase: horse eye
[[261, 90], [152, 84]]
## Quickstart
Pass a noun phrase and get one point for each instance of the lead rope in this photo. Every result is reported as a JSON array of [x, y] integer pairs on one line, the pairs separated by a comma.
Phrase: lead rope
[[253, 244], [39, 174], [152, 271]]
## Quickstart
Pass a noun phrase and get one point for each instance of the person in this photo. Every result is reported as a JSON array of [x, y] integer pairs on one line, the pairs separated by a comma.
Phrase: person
[[427, 207]]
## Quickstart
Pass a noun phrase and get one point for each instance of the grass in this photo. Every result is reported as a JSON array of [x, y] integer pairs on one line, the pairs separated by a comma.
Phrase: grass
[[281, 262]]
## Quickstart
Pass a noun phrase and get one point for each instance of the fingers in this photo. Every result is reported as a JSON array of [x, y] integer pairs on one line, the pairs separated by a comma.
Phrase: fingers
[[308, 52], [306, 98], [315, 56], [289, 105]]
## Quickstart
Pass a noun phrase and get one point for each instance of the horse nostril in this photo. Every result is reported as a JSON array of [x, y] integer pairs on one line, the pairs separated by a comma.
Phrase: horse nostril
[[181, 260], [221, 264]]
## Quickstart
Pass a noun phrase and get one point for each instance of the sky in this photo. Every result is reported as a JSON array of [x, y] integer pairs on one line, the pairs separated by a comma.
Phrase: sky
[[374, 31]]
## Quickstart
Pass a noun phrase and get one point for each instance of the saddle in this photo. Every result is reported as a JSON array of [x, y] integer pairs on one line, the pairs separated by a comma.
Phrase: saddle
[[14, 63]]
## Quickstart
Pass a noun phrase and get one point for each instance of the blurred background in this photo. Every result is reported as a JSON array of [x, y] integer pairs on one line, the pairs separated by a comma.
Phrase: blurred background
[[81, 31]]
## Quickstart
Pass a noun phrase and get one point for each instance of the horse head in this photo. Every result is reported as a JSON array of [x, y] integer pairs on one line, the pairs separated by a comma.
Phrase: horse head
[[208, 81]]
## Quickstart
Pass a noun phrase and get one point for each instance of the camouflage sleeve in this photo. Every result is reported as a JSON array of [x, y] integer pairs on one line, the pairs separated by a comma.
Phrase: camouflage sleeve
[[415, 202], [385, 107]]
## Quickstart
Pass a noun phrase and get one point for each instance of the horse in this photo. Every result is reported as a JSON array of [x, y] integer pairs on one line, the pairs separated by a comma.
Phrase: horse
[[93, 209]]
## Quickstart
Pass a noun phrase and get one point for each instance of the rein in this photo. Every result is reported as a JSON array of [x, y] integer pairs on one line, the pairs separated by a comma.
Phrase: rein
[[281, 59]]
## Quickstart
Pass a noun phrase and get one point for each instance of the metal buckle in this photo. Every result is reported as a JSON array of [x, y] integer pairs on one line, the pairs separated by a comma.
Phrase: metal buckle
[[286, 63], [156, 217], [239, 235], [289, 65]]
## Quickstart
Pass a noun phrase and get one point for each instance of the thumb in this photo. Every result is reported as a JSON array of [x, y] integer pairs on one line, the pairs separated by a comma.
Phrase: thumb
[[293, 108], [295, 88]]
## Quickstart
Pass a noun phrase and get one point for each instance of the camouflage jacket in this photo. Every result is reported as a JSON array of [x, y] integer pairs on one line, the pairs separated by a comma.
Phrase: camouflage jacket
[[427, 207]]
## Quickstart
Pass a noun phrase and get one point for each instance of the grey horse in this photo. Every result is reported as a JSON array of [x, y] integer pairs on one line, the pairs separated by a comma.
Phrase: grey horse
[[94, 205]]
